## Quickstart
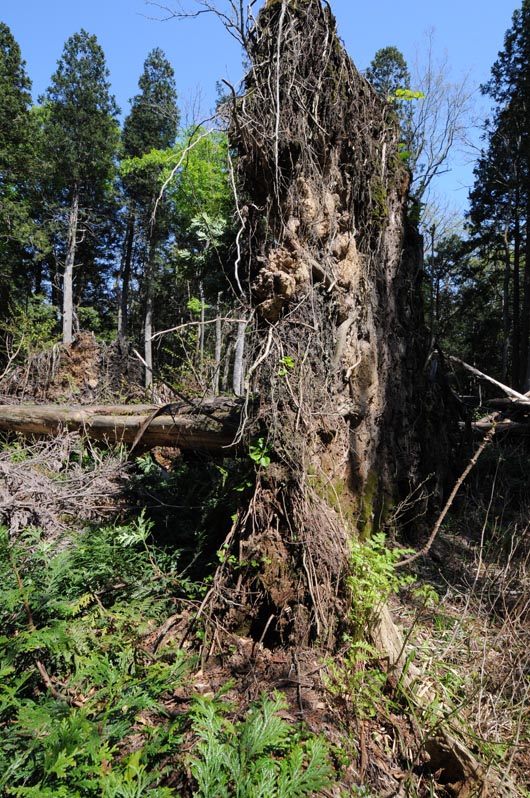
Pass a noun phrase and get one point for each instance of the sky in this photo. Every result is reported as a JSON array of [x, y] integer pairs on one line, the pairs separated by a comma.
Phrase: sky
[[201, 52]]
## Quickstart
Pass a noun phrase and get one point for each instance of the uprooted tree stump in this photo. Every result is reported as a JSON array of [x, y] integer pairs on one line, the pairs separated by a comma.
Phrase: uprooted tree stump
[[332, 268]]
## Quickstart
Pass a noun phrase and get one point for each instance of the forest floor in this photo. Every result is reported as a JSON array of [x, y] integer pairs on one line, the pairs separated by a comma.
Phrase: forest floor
[[123, 687]]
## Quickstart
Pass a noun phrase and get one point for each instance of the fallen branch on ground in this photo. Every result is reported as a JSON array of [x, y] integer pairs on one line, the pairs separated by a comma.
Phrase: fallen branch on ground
[[200, 424]]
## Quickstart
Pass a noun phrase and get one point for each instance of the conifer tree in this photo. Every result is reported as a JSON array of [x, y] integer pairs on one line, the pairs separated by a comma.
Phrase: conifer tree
[[81, 138], [16, 227], [500, 200], [152, 124], [389, 74]]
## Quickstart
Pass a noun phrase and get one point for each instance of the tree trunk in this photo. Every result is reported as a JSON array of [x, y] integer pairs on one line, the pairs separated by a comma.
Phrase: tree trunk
[[68, 277], [202, 426], [516, 336], [332, 270], [149, 288], [239, 352], [216, 378], [506, 320], [525, 324], [124, 278]]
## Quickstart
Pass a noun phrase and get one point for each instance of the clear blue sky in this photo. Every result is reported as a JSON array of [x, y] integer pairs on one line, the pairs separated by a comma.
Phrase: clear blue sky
[[471, 32]]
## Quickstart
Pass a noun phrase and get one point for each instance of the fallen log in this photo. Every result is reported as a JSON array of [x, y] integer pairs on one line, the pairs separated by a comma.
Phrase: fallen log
[[209, 425]]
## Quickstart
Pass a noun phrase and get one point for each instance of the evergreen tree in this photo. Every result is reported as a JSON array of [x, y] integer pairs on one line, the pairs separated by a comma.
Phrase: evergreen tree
[[17, 230], [388, 73], [500, 200], [81, 139], [152, 124]]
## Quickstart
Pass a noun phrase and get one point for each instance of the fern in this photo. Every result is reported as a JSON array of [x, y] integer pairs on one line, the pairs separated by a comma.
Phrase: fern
[[73, 611], [256, 758]]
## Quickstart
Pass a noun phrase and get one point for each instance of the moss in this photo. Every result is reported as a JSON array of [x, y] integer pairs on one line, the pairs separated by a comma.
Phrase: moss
[[368, 506], [337, 494], [379, 201]]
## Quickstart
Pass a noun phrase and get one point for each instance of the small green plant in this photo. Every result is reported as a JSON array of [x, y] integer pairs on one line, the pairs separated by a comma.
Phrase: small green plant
[[373, 579], [259, 452], [261, 756], [408, 95], [358, 680], [196, 306], [75, 675], [286, 364]]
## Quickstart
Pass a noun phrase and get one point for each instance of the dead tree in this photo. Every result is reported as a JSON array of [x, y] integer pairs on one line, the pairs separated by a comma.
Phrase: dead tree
[[331, 268]]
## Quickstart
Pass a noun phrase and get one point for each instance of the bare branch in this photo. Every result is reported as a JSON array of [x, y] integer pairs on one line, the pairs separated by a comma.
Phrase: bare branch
[[195, 324]]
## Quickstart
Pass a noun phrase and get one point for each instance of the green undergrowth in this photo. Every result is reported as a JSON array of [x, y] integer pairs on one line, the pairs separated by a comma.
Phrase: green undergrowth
[[81, 696], [261, 756], [86, 697]]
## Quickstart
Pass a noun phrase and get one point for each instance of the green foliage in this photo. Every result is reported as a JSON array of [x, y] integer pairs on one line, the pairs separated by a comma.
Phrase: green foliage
[[196, 306], [152, 123], [80, 128], [201, 185], [408, 94], [259, 452], [18, 230], [388, 72], [500, 201], [79, 138], [91, 601], [258, 757], [32, 326], [359, 680], [286, 364], [373, 579]]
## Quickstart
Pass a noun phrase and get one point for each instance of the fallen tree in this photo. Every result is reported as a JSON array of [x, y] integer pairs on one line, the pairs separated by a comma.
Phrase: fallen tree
[[208, 425]]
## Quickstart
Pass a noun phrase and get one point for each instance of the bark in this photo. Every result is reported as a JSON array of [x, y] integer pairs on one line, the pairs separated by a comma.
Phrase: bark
[[218, 348], [68, 277], [525, 321], [239, 352], [516, 339], [148, 317], [210, 426], [506, 321], [124, 278], [200, 338], [332, 271]]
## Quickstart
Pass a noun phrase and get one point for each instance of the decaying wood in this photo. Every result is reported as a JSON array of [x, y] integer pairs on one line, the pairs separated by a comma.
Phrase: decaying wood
[[205, 425]]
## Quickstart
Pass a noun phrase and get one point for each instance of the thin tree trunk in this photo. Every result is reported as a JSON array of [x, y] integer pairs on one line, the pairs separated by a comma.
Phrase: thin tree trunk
[[525, 324], [225, 379], [68, 278], [516, 337], [123, 281], [148, 317], [201, 327], [218, 347], [506, 306], [237, 377]]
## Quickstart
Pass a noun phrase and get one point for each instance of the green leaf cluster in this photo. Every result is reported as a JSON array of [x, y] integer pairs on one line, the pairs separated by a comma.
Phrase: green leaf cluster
[[373, 579], [92, 599], [257, 757]]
